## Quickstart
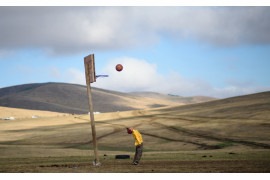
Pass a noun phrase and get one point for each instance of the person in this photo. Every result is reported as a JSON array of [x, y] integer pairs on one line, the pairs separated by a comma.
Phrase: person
[[138, 144]]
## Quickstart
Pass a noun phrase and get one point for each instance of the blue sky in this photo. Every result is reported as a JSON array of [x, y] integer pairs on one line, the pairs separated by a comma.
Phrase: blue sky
[[187, 51]]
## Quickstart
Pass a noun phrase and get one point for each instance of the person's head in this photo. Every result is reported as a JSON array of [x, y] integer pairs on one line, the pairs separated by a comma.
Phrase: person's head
[[129, 130]]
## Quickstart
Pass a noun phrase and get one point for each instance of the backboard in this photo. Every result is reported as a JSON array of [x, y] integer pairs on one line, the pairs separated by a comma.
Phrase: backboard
[[90, 73]]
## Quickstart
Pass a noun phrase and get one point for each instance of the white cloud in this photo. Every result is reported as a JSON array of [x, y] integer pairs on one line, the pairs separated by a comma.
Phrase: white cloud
[[74, 76], [22, 69], [231, 91], [139, 75], [62, 30], [235, 82], [54, 72], [5, 54], [136, 75]]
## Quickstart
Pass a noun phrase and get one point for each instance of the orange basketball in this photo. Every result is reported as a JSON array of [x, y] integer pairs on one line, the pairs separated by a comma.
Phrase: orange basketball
[[119, 67]]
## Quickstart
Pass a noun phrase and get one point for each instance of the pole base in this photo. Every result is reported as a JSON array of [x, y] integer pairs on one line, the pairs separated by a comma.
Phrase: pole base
[[96, 163]]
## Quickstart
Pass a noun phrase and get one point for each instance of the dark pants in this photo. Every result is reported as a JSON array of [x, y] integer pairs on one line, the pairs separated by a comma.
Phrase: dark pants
[[138, 154]]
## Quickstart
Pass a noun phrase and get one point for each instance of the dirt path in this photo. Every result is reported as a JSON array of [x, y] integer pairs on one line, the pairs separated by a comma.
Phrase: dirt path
[[173, 166]]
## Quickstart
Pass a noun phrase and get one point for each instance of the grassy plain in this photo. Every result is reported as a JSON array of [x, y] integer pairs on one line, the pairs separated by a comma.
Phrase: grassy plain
[[231, 135]]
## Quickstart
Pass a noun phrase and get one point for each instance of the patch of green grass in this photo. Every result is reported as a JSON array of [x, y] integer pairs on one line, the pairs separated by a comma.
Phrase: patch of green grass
[[110, 148], [83, 147], [103, 148], [9, 142], [225, 144]]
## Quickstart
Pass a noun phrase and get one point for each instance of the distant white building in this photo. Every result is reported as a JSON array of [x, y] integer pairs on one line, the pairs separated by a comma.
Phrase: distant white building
[[94, 112], [9, 118]]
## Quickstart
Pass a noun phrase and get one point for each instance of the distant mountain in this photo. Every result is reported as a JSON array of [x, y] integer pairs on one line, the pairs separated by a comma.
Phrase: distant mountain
[[249, 106], [72, 98], [174, 98]]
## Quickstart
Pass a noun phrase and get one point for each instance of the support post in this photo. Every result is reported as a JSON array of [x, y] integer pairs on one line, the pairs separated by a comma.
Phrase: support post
[[90, 77]]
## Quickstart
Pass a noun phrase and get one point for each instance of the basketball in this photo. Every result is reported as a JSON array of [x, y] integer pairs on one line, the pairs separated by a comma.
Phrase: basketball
[[119, 67]]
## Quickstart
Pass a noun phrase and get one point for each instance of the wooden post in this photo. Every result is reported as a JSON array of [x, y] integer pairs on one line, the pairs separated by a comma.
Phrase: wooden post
[[89, 64]]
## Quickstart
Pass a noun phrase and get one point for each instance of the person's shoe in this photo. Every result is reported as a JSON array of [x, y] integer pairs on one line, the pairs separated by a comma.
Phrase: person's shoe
[[135, 163]]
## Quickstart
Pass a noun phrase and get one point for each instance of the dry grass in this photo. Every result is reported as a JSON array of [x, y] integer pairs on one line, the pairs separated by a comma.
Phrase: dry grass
[[213, 128], [24, 113]]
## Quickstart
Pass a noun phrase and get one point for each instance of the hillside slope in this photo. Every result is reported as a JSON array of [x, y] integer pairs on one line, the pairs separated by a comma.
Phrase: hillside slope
[[174, 98], [242, 107], [72, 98], [233, 125], [26, 113]]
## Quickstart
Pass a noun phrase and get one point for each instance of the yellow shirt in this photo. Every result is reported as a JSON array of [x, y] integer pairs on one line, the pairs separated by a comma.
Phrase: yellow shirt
[[137, 136]]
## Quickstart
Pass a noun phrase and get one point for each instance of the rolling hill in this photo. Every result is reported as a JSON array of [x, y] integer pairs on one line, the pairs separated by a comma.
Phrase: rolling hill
[[72, 98], [232, 135], [234, 124], [174, 98]]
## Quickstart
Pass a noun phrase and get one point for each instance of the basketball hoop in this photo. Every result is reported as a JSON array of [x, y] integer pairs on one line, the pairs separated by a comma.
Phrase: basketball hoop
[[97, 76]]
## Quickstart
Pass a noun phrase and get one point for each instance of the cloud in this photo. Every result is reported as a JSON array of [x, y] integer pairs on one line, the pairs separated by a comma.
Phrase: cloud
[[136, 75], [22, 69], [235, 82], [139, 75], [65, 30], [74, 76], [231, 91], [54, 72], [5, 54]]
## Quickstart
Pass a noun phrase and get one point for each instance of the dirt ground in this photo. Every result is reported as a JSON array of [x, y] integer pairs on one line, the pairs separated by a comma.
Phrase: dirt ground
[[213, 166], [248, 162], [228, 166]]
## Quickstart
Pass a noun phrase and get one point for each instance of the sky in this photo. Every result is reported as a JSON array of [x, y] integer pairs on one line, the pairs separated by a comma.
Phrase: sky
[[212, 51]]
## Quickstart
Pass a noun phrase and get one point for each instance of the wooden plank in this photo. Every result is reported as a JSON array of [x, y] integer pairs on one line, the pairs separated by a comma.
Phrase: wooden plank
[[89, 64]]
